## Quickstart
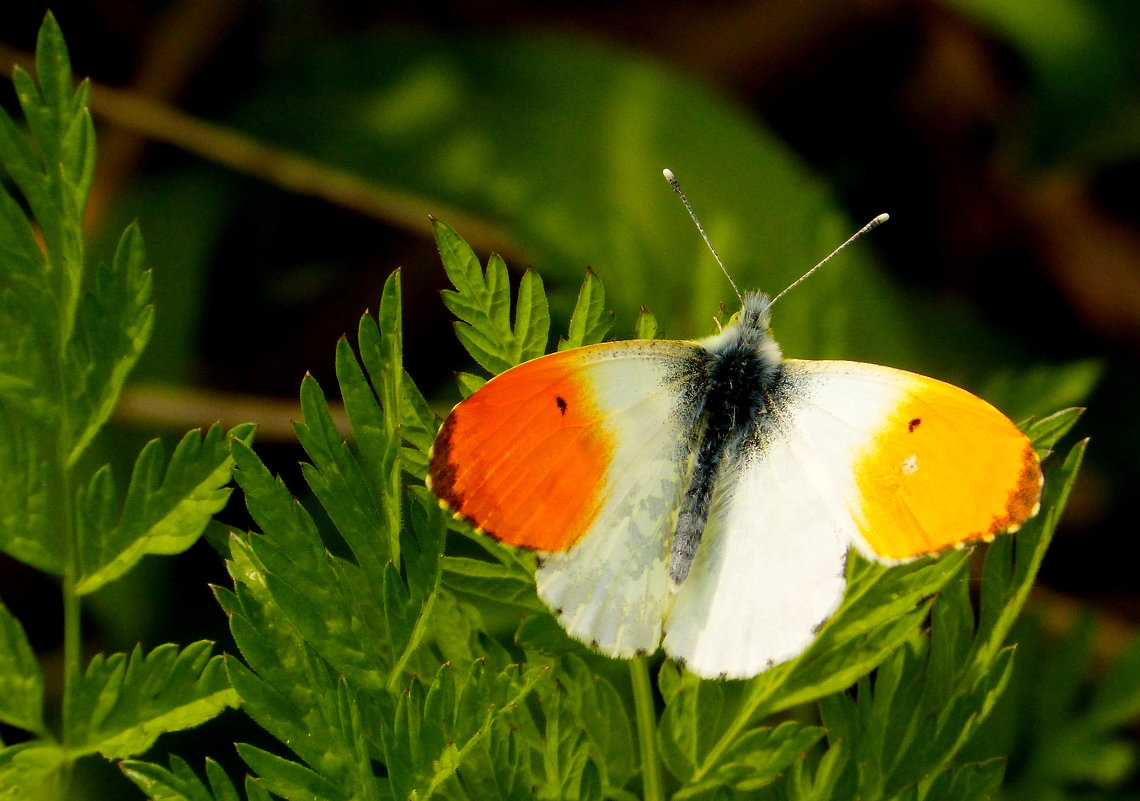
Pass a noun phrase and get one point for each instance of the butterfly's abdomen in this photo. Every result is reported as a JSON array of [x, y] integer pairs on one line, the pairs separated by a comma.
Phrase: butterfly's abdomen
[[739, 380]]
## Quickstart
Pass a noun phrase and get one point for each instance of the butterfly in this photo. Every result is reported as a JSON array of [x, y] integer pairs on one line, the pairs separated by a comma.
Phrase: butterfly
[[702, 496]]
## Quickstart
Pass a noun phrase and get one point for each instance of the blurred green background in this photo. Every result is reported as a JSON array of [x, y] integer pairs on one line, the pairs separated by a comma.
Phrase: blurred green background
[[282, 158]]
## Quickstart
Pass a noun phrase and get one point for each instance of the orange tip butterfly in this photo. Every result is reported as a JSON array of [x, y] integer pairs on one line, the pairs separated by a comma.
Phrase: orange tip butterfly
[[702, 495]]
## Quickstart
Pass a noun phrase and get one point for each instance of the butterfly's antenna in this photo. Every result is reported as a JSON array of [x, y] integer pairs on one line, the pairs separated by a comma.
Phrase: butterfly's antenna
[[875, 223], [672, 179]]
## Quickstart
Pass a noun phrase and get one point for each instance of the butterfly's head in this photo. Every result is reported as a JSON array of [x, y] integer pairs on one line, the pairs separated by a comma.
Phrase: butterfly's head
[[751, 328], [755, 312]]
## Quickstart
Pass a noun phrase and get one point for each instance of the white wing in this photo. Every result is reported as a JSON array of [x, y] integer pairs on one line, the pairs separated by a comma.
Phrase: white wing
[[771, 567], [610, 589]]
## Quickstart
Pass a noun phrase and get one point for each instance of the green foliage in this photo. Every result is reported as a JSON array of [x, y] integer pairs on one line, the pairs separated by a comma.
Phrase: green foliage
[[1063, 720], [384, 667], [379, 651], [354, 660], [71, 335], [482, 302], [122, 703], [180, 782], [166, 506]]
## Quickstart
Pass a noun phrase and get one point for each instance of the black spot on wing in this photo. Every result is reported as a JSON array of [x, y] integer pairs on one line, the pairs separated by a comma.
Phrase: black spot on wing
[[913, 424], [560, 402]]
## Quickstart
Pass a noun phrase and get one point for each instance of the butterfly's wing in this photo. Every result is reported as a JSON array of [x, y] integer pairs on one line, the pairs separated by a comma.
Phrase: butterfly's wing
[[893, 462], [581, 455]]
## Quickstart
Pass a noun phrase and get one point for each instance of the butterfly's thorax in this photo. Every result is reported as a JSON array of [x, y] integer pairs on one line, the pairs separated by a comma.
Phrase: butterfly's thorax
[[739, 372]]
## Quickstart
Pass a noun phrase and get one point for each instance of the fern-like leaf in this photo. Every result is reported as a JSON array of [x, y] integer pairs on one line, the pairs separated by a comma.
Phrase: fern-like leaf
[[180, 783], [122, 703], [167, 505], [589, 322], [27, 495], [434, 729], [482, 302], [21, 683], [115, 325], [296, 579], [29, 770], [902, 733]]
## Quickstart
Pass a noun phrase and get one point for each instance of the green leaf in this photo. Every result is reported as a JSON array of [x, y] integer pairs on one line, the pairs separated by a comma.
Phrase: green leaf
[[1045, 433], [27, 311], [306, 591], [289, 779], [179, 783], [691, 723], [122, 703], [30, 770], [565, 753], [435, 730], [590, 321], [496, 766], [1012, 561], [351, 489], [26, 497], [166, 507], [604, 719], [973, 780], [468, 383], [21, 683], [290, 699], [493, 581], [482, 303], [381, 351], [71, 336], [759, 757], [54, 176], [408, 602], [418, 429], [821, 785], [116, 322], [646, 325]]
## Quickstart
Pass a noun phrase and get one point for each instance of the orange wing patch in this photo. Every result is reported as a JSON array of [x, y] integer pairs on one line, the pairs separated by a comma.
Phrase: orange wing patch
[[525, 457], [945, 469]]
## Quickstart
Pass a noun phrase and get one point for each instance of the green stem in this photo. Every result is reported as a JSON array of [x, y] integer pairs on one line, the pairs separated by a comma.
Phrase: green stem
[[67, 529], [646, 730], [72, 650]]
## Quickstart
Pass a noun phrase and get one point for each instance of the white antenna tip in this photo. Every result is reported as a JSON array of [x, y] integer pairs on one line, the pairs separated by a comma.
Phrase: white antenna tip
[[882, 218], [669, 176]]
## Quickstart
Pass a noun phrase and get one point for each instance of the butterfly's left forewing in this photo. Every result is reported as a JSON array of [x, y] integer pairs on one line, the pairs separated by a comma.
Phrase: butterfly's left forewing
[[581, 455]]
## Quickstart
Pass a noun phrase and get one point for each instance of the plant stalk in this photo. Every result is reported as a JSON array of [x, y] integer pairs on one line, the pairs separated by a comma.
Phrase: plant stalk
[[652, 786]]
